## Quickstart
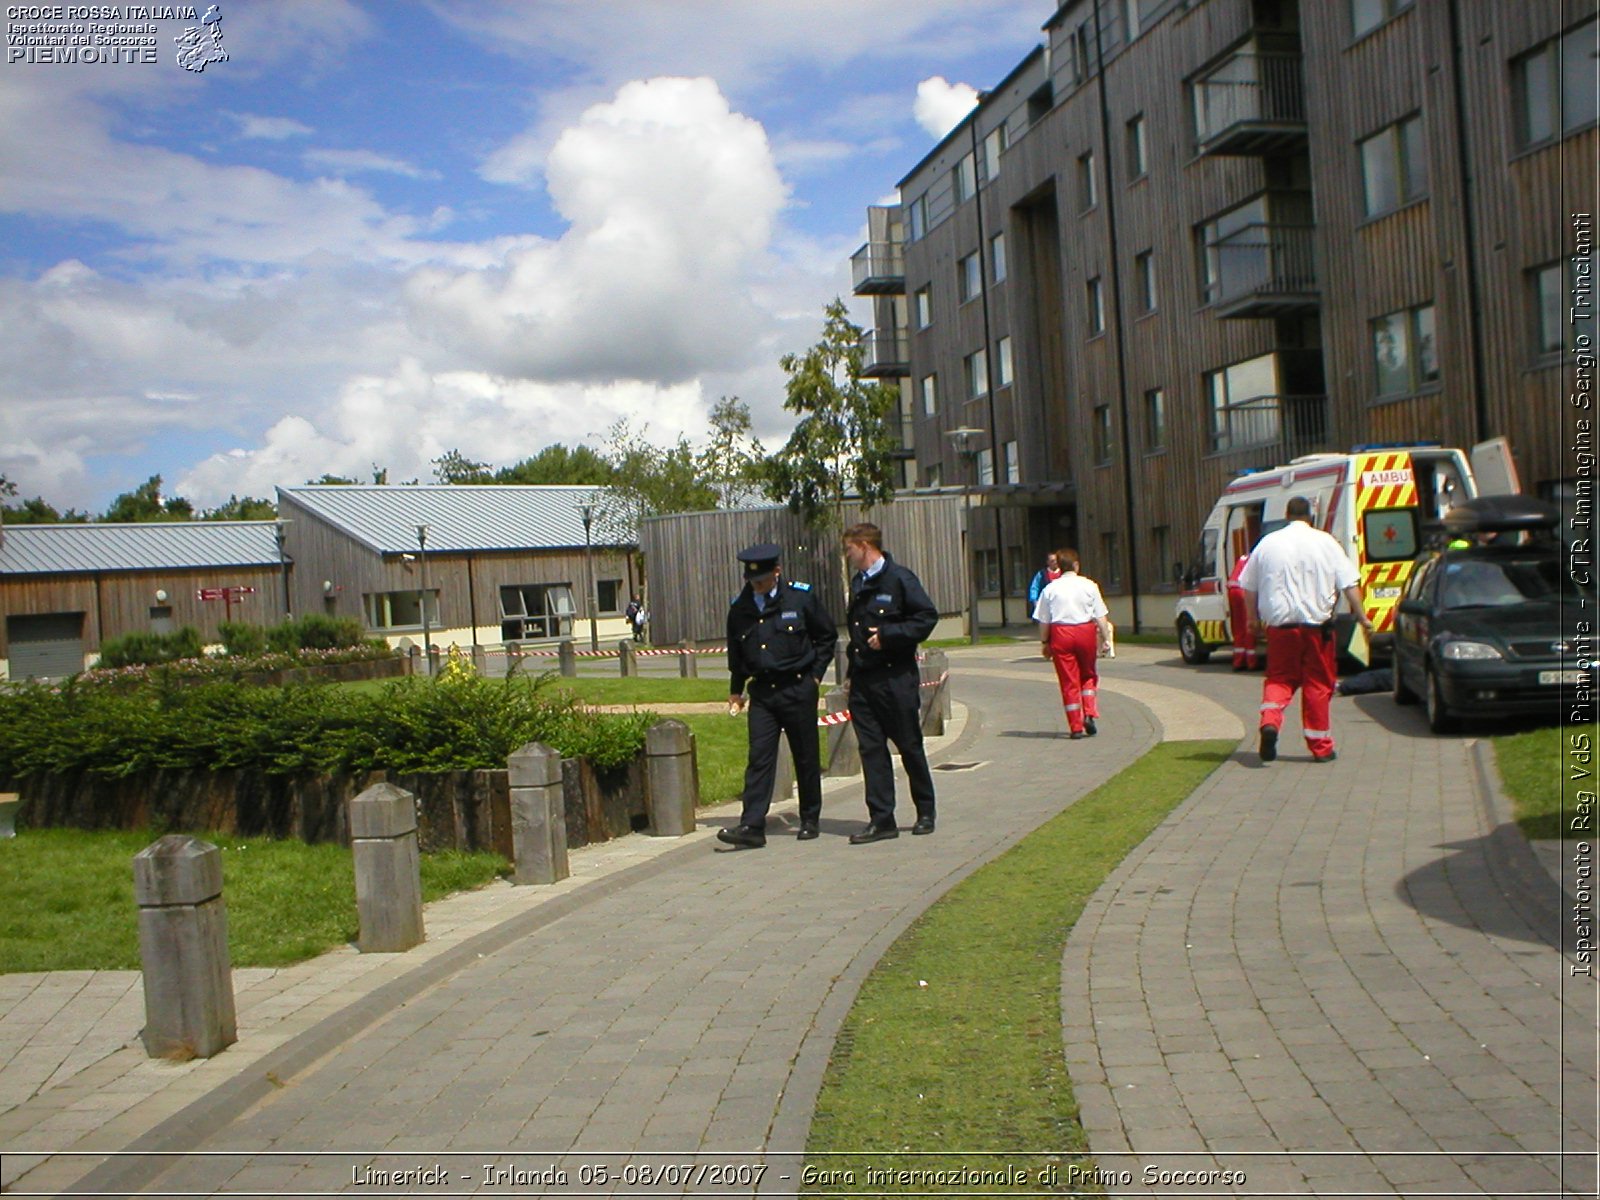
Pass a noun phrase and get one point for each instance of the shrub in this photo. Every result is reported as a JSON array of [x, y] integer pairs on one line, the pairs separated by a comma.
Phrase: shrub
[[146, 649], [314, 631], [241, 639]]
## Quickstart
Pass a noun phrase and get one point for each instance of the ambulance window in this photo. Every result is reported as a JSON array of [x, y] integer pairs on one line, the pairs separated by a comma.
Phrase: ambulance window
[[1205, 563], [1390, 534]]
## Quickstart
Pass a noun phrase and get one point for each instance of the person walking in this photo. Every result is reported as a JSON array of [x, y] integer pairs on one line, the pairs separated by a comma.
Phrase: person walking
[[780, 642], [1292, 586], [1073, 632], [889, 616], [1046, 575]]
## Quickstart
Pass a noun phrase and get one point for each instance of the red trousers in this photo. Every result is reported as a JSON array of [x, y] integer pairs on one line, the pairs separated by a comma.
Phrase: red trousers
[[1244, 636], [1301, 657], [1072, 649]]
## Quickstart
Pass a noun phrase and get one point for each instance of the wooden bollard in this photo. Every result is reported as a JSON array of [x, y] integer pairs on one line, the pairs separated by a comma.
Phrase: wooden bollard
[[931, 671], [538, 815], [183, 949], [383, 836], [626, 660], [688, 664], [672, 782], [844, 758], [567, 657]]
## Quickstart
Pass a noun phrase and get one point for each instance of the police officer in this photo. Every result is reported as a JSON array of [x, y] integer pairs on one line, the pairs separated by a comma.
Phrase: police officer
[[889, 615], [781, 641]]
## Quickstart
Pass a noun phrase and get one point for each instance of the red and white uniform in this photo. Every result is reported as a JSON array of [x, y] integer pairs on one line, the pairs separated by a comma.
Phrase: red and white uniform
[[1244, 637], [1297, 574], [1072, 607]]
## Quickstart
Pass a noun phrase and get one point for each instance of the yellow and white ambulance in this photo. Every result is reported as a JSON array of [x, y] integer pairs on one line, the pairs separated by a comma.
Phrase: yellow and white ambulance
[[1379, 502]]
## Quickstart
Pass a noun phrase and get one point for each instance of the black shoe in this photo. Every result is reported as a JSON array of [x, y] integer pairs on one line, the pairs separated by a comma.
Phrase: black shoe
[[923, 825], [1090, 727], [1328, 757], [1269, 743], [746, 837], [1077, 734], [874, 833], [808, 830]]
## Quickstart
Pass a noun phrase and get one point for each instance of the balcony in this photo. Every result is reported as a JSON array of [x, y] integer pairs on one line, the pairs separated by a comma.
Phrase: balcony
[[1251, 104], [886, 353], [1262, 271], [1274, 429], [879, 269]]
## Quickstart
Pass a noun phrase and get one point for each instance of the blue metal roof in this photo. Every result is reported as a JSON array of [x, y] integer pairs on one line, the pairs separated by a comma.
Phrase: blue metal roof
[[153, 546], [465, 517]]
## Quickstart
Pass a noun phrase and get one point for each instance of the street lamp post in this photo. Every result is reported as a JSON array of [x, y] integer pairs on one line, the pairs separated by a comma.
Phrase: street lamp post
[[963, 439], [422, 564], [281, 532], [586, 511]]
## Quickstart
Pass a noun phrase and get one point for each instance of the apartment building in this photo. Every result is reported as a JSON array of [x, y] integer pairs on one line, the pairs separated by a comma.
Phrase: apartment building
[[1187, 238]]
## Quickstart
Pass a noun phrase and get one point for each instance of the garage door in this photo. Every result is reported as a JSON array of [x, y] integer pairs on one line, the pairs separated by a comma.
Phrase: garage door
[[47, 646]]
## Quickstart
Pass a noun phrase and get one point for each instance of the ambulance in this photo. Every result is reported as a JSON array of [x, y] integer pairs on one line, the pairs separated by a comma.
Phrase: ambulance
[[1380, 503]]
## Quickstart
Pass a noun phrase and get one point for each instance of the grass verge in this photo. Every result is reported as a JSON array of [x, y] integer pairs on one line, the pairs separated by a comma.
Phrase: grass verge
[[954, 1042], [1533, 768], [287, 901]]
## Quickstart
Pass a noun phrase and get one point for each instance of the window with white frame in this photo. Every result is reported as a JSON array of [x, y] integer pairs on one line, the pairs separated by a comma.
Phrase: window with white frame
[[399, 610], [1088, 192], [985, 460], [922, 306], [1013, 465], [1554, 88], [1155, 419], [929, 387], [1405, 357], [969, 277], [997, 256], [1095, 297], [1561, 301], [536, 610], [1110, 561], [976, 366], [1145, 269], [966, 179], [1242, 403], [994, 144], [1002, 362], [917, 218], [1102, 434], [1138, 166], [1394, 167]]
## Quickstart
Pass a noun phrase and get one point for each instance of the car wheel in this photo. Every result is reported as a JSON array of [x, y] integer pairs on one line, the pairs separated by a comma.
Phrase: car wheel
[[1402, 694], [1190, 645], [1439, 718]]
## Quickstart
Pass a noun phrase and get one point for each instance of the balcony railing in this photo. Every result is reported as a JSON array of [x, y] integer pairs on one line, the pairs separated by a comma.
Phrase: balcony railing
[[1263, 270], [879, 269], [1276, 428], [1251, 104], [886, 352]]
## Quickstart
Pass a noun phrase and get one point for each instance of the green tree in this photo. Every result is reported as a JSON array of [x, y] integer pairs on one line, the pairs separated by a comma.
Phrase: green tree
[[732, 460], [144, 503], [455, 467], [241, 508], [557, 464], [341, 480], [843, 444], [647, 479]]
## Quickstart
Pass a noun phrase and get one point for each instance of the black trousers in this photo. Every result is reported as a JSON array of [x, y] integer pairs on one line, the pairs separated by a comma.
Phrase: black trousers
[[884, 707], [787, 707]]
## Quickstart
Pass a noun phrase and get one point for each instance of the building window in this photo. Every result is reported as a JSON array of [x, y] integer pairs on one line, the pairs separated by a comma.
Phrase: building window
[[994, 144], [608, 595], [1367, 15], [1088, 194], [1155, 419], [1002, 362], [1404, 355], [1221, 250], [969, 277], [917, 218], [930, 396], [989, 572], [997, 256], [536, 610], [1394, 167], [936, 475], [966, 179], [1145, 267], [1138, 167], [1242, 402], [1110, 560], [1081, 51], [1550, 335], [985, 463], [1102, 434], [923, 306], [399, 610], [1012, 465], [1161, 545], [1555, 87], [1097, 307], [976, 366], [1562, 300]]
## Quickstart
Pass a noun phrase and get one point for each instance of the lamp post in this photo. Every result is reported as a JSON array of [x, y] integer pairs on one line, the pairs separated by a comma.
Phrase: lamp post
[[422, 564], [962, 439], [281, 532], [586, 511]]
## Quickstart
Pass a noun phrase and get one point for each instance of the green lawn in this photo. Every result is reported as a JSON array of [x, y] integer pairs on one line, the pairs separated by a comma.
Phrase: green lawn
[[1536, 765], [286, 900], [955, 1038]]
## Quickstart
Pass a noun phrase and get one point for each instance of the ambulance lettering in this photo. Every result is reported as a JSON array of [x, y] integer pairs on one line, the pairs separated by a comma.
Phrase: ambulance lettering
[[1385, 517]]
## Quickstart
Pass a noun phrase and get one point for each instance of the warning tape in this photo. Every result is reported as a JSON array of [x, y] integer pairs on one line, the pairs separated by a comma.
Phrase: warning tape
[[839, 718], [595, 653]]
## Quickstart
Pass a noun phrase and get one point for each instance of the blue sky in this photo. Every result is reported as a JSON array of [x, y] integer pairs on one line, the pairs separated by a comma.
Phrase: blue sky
[[383, 230]]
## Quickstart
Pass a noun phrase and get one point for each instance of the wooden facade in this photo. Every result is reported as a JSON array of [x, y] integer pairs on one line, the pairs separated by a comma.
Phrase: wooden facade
[[1103, 472]]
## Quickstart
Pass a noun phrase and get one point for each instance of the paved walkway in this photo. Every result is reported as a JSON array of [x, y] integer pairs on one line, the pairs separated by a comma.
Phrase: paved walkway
[[1266, 973]]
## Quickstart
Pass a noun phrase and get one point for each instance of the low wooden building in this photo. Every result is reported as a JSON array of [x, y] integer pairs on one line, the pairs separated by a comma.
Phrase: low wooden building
[[67, 589], [493, 563]]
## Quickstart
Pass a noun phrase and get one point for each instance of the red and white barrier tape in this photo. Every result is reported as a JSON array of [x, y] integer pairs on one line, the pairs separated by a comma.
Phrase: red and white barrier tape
[[839, 718]]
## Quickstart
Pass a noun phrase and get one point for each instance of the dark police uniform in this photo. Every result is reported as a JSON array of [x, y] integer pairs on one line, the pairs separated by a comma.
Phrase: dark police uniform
[[884, 699], [783, 650]]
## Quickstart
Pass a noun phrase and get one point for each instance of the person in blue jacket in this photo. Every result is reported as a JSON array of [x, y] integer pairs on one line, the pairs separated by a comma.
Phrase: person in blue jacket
[[1046, 576]]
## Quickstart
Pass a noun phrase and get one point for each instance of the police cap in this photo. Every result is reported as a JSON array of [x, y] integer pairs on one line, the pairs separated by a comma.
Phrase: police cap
[[760, 559]]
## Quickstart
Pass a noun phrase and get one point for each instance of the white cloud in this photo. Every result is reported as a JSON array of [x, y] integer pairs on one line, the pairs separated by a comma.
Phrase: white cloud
[[351, 162], [941, 105], [272, 129]]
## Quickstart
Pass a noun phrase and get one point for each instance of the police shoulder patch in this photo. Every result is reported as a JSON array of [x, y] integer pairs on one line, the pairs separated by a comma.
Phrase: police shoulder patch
[[798, 586]]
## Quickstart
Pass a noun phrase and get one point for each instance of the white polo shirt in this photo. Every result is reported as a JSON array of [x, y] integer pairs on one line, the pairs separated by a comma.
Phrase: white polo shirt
[[1070, 600], [1297, 573]]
